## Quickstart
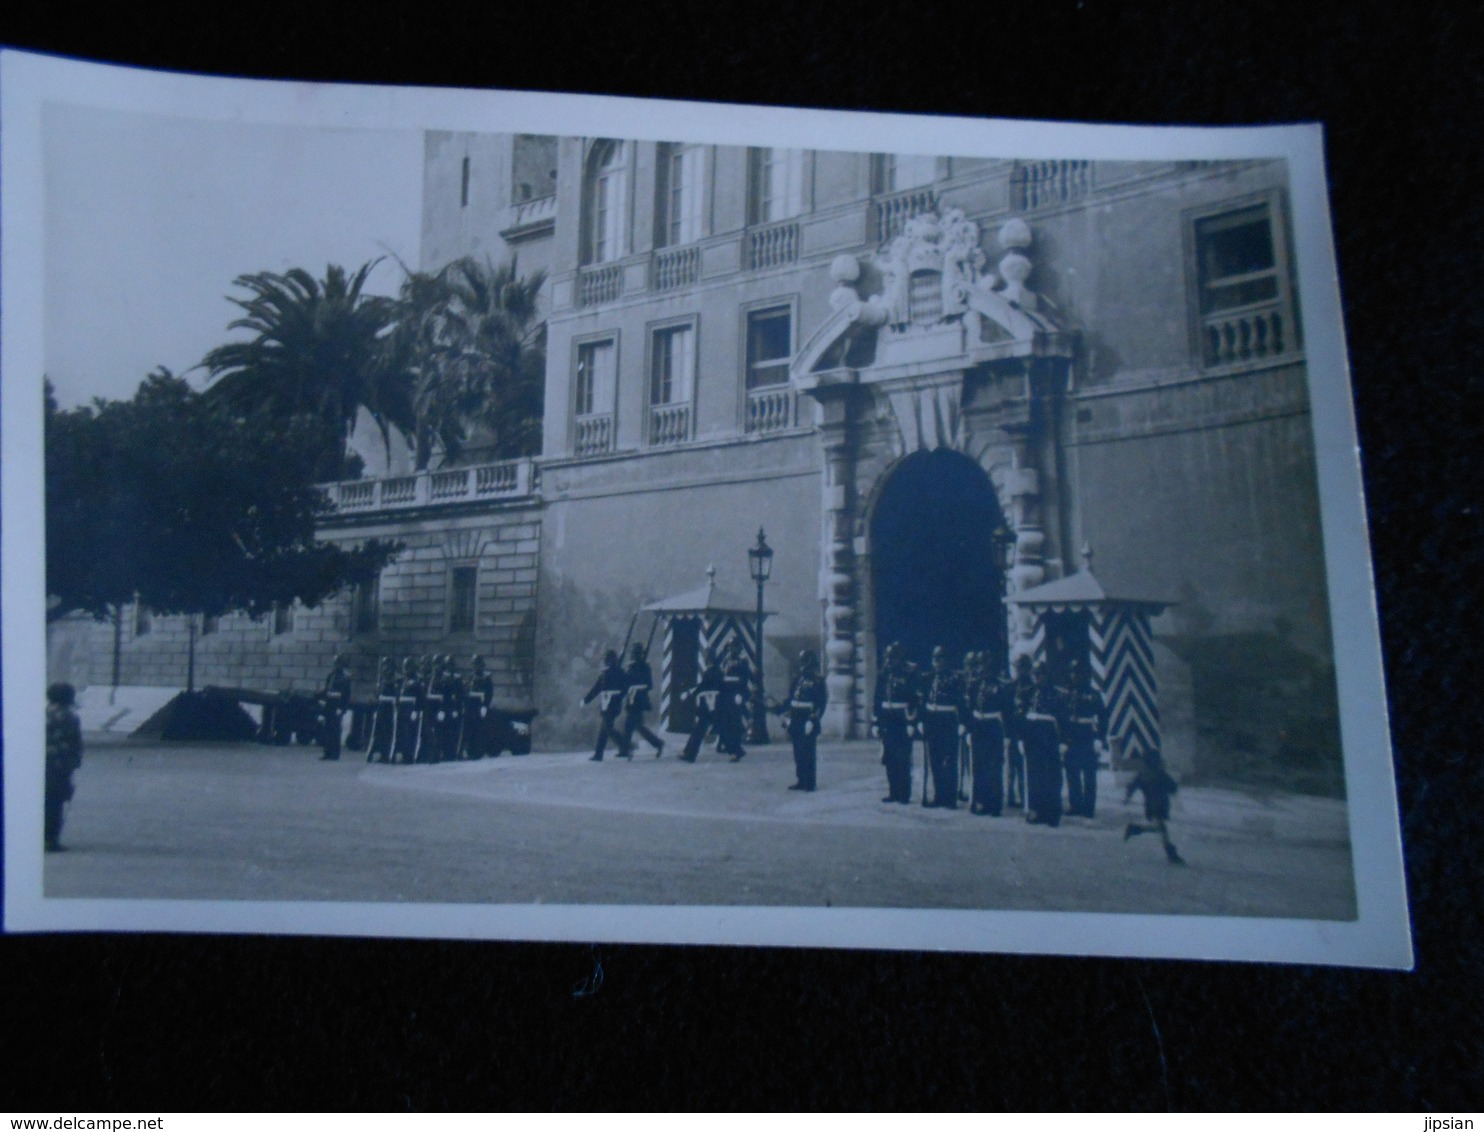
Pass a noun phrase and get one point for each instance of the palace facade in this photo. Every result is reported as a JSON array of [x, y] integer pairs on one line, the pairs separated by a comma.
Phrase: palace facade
[[989, 404]]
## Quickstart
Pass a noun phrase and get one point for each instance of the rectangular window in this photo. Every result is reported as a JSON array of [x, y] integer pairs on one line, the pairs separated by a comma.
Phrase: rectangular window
[[597, 374], [681, 194], [143, 622], [672, 366], [777, 184], [769, 346], [462, 584], [368, 606], [898, 171], [209, 624], [283, 618], [1243, 303]]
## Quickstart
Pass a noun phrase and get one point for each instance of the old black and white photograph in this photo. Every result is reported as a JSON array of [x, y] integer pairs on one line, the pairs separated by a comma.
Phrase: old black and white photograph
[[545, 517]]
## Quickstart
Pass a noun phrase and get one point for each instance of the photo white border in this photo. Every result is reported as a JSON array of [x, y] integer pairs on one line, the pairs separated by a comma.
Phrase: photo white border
[[1379, 937]]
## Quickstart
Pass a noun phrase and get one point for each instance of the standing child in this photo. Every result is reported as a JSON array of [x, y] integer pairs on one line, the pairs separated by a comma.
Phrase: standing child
[[1154, 781], [63, 757]]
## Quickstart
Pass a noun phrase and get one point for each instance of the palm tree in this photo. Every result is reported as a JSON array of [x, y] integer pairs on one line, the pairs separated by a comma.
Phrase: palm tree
[[469, 339], [319, 348]]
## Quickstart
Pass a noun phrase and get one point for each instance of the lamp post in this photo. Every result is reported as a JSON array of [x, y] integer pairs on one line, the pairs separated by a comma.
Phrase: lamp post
[[759, 566]]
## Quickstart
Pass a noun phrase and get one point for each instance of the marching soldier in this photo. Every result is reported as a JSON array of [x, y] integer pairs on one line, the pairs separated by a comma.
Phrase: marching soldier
[[428, 733], [804, 709], [636, 701], [940, 721], [479, 696], [1023, 693], [1041, 731], [384, 721], [409, 712], [707, 693], [609, 690], [731, 711], [991, 708], [451, 729], [1086, 734], [894, 713], [333, 702]]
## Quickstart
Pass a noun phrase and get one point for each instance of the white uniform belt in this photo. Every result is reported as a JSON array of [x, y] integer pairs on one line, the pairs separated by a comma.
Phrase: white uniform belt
[[708, 698], [1089, 722], [988, 715], [895, 707], [797, 706], [386, 699], [1042, 716], [606, 698], [940, 707]]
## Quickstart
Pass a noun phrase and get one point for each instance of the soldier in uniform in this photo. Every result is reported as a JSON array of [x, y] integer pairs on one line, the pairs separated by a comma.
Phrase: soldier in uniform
[[970, 676], [894, 714], [451, 728], [609, 690], [333, 702], [479, 697], [803, 710], [1086, 733], [63, 757], [991, 708], [428, 735], [384, 722], [1041, 731], [409, 713], [707, 694], [1022, 692], [731, 709], [636, 700], [941, 703]]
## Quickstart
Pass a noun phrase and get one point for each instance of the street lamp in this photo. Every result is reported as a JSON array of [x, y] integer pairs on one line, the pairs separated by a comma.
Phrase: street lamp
[[759, 566]]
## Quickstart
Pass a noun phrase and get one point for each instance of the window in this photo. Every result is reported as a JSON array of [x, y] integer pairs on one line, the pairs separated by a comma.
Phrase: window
[[283, 618], [681, 194], [769, 346], [1243, 302], [607, 200], [367, 607], [462, 583], [597, 372], [777, 184], [898, 171], [143, 622], [672, 367], [210, 624], [464, 185]]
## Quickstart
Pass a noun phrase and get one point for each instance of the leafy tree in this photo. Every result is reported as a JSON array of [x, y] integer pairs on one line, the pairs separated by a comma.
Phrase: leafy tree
[[194, 505], [319, 349], [469, 340]]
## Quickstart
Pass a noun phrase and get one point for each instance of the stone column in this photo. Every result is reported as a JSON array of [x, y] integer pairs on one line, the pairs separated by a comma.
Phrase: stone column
[[837, 588]]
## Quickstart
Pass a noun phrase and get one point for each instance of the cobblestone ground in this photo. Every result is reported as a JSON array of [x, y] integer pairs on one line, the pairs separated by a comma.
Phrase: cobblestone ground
[[266, 823]]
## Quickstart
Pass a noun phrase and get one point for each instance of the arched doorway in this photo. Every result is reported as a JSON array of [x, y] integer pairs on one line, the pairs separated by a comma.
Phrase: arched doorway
[[936, 577]]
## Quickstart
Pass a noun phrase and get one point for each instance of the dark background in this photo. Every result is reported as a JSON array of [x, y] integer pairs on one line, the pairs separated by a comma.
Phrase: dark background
[[152, 1022]]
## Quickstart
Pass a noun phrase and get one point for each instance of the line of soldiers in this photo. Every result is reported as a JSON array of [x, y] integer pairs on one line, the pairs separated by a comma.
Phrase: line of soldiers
[[624, 691], [1024, 734], [426, 712]]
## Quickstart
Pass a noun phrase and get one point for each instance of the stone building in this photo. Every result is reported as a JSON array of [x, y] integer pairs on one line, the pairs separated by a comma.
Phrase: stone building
[[933, 381]]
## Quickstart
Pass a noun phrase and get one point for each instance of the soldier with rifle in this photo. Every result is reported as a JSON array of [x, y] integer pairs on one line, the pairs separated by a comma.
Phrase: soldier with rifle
[[941, 703], [332, 704], [991, 706], [451, 727], [894, 714], [432, 710], [609, 691], [479, 697], [409, 712], [640, 681], [1022, 691], [731, 711], [1086, 735], [1041, 729], [706, 693], [384, 720], [971, 674], [803, 710]]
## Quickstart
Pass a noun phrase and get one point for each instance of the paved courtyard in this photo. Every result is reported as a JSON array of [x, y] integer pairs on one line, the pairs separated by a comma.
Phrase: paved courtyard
[[240, 821]]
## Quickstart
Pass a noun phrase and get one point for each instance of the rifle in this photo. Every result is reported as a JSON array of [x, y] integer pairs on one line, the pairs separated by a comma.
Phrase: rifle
[[627, 636]]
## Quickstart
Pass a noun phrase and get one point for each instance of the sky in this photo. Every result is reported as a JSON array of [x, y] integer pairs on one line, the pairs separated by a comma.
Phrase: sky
[[150, 218]]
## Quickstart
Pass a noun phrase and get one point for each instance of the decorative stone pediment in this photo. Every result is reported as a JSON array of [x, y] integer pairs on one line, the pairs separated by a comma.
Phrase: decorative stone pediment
[[927, 299]]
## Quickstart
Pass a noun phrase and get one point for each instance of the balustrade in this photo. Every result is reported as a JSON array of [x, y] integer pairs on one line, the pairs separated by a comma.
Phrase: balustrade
[[675, 267], [451, 483], [1040, 184], [600, 284], [773, 246], [1249, 334], [770, 409], [445, 486], [593, 434], [669, 424], [893, 212]]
